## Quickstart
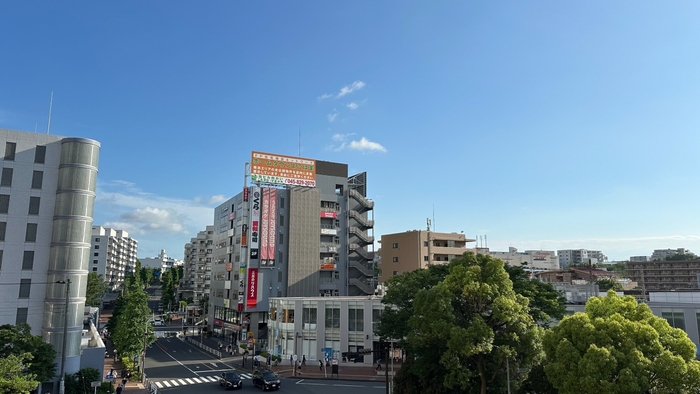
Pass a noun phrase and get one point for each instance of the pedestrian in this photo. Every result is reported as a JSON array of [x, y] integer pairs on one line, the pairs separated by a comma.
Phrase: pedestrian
[[299, 367], [320, 365], [269, 359], [124, 382], [379, 365], [111, 371], [220, 346], [123, 375], [119, 390], [291, 360]]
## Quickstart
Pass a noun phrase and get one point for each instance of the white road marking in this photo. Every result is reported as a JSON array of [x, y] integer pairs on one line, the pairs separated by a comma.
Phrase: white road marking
[[160, 385], [190, 381], [214, 364], [197, 380], [174, 383], [183, 382], [167, 384]]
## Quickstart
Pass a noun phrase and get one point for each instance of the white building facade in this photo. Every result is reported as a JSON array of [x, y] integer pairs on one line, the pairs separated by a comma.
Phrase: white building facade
[[663, 254], [113, 255], [530, 260], [572, 257], [162, 262], [196, 278], [47, 195]]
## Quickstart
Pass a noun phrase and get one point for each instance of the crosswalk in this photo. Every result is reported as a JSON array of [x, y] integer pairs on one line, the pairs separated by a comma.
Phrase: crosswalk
[[163, 384]]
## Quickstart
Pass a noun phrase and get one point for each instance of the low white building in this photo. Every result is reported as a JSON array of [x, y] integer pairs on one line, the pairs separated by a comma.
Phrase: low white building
[[113, 255], [530, 260], [663, 254], [162, 262]]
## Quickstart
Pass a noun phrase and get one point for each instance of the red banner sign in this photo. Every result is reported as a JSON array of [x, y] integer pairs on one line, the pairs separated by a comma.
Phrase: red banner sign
[[326, 214], [245, 194], [252, 293]]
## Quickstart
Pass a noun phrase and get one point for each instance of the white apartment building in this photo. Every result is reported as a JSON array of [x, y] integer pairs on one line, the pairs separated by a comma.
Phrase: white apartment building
[[569, 257], [113, 255], [162, 262], [640, 259], [531, 260], [662, 254], [196, 277], [47, 195]]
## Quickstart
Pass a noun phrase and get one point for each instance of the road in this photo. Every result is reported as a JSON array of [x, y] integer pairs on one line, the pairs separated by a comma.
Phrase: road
[[177, 367]]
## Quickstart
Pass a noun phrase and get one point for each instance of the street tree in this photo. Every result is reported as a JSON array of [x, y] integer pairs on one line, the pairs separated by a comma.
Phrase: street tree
[[465, 330], [95, 290], [13, 377], [618, 346], [606, 284], [129, 326], [18, 340]]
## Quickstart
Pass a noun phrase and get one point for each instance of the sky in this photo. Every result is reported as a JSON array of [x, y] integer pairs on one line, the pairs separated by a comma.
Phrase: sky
[[537, 125]]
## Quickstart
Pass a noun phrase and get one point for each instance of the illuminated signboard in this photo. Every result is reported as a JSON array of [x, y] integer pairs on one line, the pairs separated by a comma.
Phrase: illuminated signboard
[[326, 214], [282, 170], [252, 293], [254, 222]]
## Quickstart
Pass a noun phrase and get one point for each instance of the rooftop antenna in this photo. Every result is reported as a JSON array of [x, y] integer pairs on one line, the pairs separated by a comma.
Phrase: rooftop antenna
[[433, 216], [299, 141], [48, 126], [486, 242]]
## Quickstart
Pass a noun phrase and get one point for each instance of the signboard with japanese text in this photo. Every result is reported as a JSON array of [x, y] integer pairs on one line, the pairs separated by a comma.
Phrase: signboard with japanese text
[[326, 214], [328, 267], [269, 227], [282, 170], [252, 292], [255, 202]]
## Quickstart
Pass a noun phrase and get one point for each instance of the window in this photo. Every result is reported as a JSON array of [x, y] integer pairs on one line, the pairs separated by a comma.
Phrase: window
[[281, 237], [94, 261], [281, 220], [332, 317], [425, 258], [395, 245], [674, 317], [279, 276], [25, 286], [34, 205], [30, 236], [356, 320], [281, 202], [21, 316], [288, 316], [6, 177], [309, 317], [94, 269], [10, 148], [1, 253], [395, 273], [40, 154], [97, 240], [96, 254], [425, 243], [376, 318], [3, 228], [28, 260], [4, 203], [97, 246], [37, 179], [395, 259], [279, 257]]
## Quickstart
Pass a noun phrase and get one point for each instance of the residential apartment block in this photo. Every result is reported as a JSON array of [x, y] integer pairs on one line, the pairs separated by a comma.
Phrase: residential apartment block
[[574, 257], [161, 262], [663, 254], [412, 250], [664, 275], [196, 277], [274, 240], [47, 195], [113, 255]]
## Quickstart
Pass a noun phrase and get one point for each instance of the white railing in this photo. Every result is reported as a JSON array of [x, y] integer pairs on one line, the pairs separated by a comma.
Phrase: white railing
[[204, 347]]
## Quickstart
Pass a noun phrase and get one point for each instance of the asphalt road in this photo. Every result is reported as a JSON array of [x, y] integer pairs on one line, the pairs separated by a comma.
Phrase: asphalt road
[[177, 367]]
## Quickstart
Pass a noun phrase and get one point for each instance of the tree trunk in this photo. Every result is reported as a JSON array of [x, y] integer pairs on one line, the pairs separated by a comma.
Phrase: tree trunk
[[480, 368]]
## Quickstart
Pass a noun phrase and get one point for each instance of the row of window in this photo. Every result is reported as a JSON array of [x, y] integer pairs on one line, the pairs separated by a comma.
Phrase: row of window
[[34, 203], [29, 235], [8, 175], [11, 150], [309, 316]]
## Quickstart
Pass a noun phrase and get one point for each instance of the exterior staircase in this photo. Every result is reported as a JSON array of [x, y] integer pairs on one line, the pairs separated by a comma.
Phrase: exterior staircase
[[366, 239], [362, 285], [357, 248], [369, 272], [367, 204]]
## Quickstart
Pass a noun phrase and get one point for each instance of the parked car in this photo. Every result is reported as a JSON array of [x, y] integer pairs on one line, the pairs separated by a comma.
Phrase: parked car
[[157, 322], [230, 380], [266, 380]]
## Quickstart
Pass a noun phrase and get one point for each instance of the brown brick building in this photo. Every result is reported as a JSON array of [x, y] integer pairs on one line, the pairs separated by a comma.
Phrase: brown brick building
[[664, 275]]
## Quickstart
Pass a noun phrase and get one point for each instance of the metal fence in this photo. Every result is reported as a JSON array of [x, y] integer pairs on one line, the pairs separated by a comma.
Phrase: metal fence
[[204, 347], [150, 386]]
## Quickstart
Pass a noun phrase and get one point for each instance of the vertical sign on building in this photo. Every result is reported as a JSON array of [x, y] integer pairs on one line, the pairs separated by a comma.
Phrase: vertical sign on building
[[252, 294], [272, 228], [254, 222], [264, 226]]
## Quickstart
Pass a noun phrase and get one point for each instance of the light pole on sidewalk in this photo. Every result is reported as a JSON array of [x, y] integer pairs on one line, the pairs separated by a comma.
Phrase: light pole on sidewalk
[[62, 384]]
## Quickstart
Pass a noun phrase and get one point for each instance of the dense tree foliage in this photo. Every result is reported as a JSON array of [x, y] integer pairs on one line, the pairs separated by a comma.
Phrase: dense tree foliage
[[619, 267], [80, 382], [129, 325], [606, 284], [619, 346], [464, 322], [95, 290], [682, 256], [13, 377], [18, 340], [545, 302], [168, 291]]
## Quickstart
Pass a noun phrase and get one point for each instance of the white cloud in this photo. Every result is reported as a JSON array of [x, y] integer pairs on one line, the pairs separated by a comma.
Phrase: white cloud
[[332, 116], [366, 145], [353, 105], [341, 137], [345, 90], [149, 219]]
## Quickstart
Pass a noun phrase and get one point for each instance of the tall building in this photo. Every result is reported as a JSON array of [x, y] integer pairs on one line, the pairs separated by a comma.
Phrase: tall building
[[161, 262], [113, 255], [663, 254], [196, 277], [411, 250], [47, 195], [574, 257], [281, 240], [664, 275], [530, 260]]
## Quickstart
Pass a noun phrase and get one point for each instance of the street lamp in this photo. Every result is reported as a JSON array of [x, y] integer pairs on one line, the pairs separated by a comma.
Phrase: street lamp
[[62, 384]]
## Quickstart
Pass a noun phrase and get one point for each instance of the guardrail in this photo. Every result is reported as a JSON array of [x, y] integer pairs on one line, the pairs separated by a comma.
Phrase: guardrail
[[150, 386], [204, 347]]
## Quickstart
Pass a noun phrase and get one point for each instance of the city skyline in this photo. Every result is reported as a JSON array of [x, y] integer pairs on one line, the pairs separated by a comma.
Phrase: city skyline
[[541, 125]]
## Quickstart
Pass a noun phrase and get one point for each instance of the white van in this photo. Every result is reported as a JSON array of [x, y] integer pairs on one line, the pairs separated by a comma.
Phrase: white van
[[157, 322]]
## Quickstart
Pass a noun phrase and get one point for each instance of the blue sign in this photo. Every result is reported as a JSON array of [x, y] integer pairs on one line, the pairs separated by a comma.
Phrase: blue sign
[[136, 357], [109, 377], [328, 352]]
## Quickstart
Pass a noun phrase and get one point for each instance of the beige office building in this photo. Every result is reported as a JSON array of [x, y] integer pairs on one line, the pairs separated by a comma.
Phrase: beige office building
[[411, 250]]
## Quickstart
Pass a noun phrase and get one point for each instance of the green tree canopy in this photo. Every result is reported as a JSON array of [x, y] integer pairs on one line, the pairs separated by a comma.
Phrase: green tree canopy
[[95, 290], [461, 330], [13, 379], [606, 284], [129, 324], [18, 340], [619, 346], [545, 302]]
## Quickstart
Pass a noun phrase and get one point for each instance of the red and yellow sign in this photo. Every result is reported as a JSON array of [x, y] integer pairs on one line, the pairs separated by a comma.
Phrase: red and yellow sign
[[327, 267], [282, 170]]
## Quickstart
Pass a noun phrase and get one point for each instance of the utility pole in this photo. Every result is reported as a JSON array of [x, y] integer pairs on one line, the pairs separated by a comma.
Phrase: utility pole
[[386, 368], [62, 384]]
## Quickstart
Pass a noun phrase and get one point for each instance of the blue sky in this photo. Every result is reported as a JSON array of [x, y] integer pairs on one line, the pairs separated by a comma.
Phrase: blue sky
[[541, 125]]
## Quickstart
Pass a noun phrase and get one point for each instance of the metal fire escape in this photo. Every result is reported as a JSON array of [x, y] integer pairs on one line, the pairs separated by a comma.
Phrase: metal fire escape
[[361, 277]]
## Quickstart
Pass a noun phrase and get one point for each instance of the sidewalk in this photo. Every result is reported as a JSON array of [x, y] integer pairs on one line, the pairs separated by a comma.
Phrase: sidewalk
[[346, 371], [111, 363]]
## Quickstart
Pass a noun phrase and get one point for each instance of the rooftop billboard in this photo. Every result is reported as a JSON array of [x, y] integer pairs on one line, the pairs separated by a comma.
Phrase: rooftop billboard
[[282, 170]]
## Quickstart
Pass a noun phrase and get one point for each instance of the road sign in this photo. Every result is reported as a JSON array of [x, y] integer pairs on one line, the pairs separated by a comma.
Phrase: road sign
[[95, 384], [334, 361], [109, 377], [250, 342]]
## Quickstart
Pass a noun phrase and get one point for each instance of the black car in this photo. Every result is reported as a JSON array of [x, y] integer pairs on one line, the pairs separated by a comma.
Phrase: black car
[[230, 380], [266, 380]]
